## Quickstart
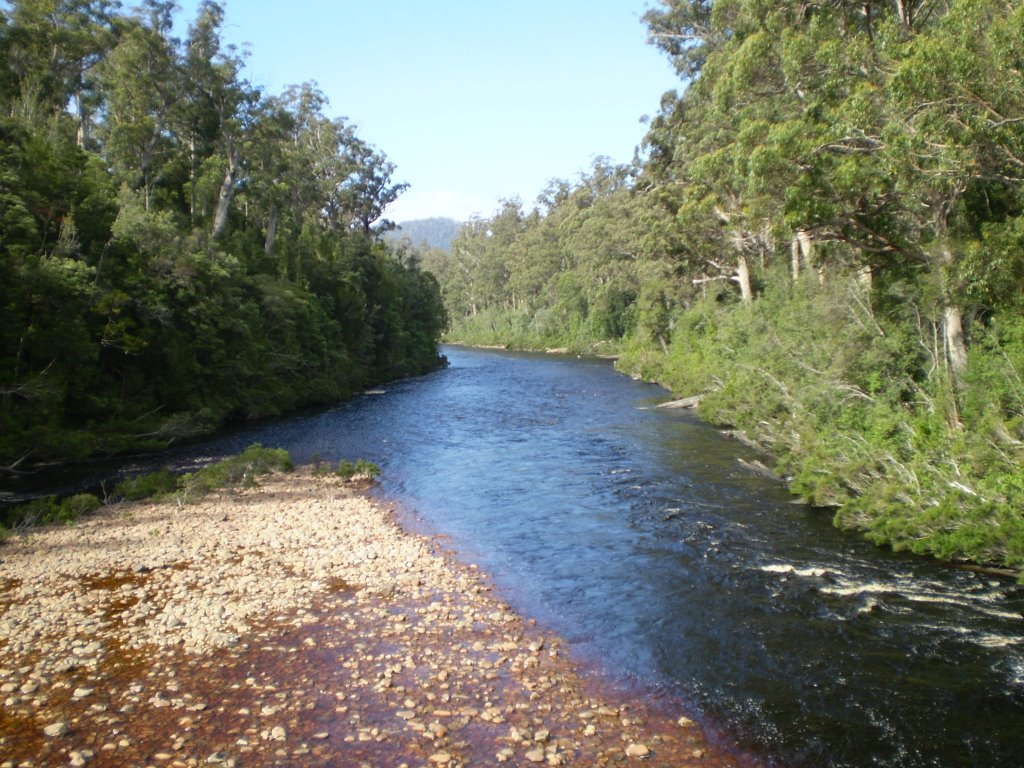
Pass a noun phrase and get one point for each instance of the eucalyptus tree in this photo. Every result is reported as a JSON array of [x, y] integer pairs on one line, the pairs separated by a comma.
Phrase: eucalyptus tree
[[142, 83], [956, 145], [51, 49], [735, 97], [369, 187], [220, 109]]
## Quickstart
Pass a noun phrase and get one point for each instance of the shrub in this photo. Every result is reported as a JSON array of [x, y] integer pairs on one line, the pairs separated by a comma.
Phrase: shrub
[[234, 471], [147, 486], [46, 510], [73, 507], [361, 470]]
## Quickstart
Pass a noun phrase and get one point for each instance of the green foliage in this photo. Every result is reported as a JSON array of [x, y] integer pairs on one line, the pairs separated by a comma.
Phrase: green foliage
[[361, 470], [179, 250], [234, 471], [48, 510], [148, 486]]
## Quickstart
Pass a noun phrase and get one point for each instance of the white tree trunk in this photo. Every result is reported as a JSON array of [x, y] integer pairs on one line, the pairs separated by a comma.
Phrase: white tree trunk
[[743, 278], [268, 245], [956, 347], [227, 192]]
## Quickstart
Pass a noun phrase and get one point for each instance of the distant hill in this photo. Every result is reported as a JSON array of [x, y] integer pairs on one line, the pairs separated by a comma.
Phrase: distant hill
[[437, 232]]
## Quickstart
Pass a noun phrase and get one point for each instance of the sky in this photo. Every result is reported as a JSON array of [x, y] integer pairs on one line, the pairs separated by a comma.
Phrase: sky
[[475, 101]]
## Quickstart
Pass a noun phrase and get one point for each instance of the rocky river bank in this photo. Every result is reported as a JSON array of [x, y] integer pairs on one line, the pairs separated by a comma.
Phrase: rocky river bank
[[294, 623]]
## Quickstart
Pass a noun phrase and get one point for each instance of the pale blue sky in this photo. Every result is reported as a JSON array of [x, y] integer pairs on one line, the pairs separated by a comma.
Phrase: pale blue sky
[[474, 100]]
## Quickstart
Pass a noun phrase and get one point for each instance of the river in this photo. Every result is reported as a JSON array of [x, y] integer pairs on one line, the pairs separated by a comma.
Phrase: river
[[638, 535]]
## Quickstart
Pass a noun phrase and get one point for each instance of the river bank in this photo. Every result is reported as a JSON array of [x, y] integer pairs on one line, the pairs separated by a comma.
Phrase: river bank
[[291, 623]]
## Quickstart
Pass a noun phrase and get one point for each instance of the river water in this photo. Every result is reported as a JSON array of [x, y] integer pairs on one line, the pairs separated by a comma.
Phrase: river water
[[671, 567]]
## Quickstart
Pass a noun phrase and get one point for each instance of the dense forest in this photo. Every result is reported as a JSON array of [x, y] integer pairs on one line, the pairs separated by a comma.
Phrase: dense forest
[[823, 238], [178, 248]]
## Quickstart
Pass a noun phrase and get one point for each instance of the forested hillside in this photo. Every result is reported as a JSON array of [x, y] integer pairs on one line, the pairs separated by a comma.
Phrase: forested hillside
[[824, 240], [177, 247], [436, 232]]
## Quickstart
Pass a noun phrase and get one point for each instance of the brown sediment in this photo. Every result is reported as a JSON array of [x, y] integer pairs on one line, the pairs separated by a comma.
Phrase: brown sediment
[[291, 624]]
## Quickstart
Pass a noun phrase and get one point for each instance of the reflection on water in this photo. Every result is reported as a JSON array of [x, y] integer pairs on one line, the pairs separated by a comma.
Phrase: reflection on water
[[638, 535]]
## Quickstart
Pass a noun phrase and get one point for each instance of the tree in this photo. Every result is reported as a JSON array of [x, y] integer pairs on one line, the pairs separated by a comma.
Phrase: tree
[[142, 83], [957, 132]]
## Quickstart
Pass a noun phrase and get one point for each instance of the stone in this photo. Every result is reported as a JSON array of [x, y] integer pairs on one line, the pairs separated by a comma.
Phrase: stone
[[81, 693], [438, 730], [637, 750], [440, 758], [66, 664], [535, 755], [55, 729]]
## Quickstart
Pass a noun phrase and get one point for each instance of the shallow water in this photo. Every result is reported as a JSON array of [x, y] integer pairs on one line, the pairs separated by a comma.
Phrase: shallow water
[[638, 536]]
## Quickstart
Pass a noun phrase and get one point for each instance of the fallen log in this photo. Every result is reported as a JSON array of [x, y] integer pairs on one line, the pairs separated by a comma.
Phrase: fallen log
[[686, 402]]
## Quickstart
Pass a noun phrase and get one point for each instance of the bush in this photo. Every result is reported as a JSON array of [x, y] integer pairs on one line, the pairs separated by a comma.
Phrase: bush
[[241, 470], [148, 486], [361, 470], [73, 507], [47, 510]]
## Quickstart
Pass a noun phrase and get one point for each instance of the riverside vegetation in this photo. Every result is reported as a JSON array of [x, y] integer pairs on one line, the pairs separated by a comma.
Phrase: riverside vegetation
[[823, 239], [178, 248]]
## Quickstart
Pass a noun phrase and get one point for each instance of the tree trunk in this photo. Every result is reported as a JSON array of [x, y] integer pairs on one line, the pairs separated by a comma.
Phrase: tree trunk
[[227, 192], [802, 250], [743, 278], [268, 245], [83, 122], [953, 333], [192, 178], [866, 277], [905, 13]]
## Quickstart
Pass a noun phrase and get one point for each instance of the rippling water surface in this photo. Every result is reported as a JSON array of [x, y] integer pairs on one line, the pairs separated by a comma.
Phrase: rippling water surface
[[638, 535]]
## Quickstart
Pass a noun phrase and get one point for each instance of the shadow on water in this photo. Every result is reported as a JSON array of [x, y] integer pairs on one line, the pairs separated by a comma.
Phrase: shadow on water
[[637, 535]]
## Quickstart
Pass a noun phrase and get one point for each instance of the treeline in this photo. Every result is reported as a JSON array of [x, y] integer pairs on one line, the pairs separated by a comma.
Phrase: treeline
[[178, 248], [825, 240]]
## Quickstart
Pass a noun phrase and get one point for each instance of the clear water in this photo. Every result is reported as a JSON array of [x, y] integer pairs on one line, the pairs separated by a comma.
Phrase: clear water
[[638, 535]]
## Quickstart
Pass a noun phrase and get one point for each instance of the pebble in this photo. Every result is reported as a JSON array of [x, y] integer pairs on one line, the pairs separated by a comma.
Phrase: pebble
[[434, 663], [55, 730], [637, 750]]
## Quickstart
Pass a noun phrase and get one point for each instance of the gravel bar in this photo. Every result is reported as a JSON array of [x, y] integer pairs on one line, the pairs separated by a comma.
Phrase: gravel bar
[[293, 623]]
